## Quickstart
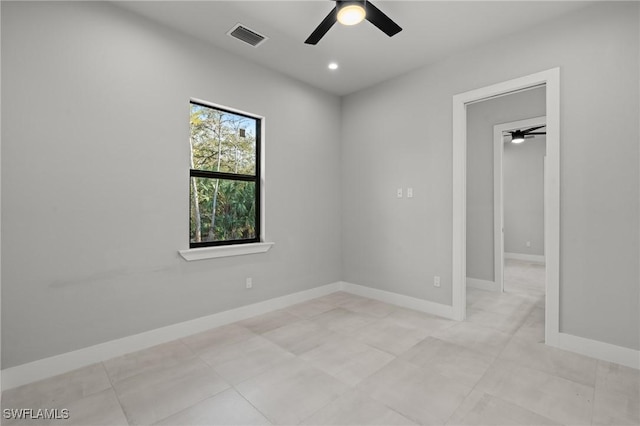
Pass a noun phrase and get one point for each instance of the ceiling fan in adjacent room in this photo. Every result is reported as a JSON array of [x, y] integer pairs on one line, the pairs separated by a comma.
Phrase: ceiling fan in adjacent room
[[352, 13], [518, 136]]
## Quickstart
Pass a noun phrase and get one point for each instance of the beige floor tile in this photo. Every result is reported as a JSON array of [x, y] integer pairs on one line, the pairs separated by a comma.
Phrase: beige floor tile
[[339, 297], [343, 320], [550, 396], [614, 378], [424, 397], [225, 408], [310, 308], [149, 397], [501, 322], [420, 320], [617, 395], [369, 307], [356, 408], [615, 409], [291, 392], [270, 321], [532, 330], [240, 361], [449, 360], [347, 360], [557, 362], [346, 371], [390, 336], [480, 408], [217, 337], [300, 336], [98, 409], [475, 294], [59, 390], [471, 336], [503, 303], [157, 357]]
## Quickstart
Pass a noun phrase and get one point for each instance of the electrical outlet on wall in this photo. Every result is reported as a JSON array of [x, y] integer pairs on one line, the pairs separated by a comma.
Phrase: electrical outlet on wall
[[436, 281], [249, 283]]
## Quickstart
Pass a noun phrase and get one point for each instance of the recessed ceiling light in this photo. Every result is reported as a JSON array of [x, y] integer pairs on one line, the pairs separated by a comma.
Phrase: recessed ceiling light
[[333, 66]]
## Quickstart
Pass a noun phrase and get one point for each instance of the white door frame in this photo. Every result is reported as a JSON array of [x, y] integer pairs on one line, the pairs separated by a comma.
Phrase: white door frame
[[551, 80], [498, 191]]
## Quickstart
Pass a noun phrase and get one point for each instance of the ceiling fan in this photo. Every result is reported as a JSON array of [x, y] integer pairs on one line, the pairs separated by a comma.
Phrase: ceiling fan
[[351, 13], [518, 136]]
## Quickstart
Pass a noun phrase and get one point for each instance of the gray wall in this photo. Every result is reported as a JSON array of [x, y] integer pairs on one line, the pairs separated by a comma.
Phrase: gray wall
[[523, 188], [400, 244], [481, 117], [95, 157], [94, 201]]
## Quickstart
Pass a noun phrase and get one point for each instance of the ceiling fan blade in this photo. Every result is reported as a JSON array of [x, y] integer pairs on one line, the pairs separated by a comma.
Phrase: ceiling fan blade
[[536, 133], [382, 21], [532, 129], [324, 26]]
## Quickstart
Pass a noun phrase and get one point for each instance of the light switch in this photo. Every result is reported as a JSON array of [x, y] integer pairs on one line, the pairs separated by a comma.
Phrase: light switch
[[399, 192]]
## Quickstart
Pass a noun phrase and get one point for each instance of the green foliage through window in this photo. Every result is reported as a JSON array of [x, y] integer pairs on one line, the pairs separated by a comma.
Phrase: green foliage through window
[[225, 177]]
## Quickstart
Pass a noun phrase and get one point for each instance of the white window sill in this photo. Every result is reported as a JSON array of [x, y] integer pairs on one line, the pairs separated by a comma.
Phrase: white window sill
[[224, 251]]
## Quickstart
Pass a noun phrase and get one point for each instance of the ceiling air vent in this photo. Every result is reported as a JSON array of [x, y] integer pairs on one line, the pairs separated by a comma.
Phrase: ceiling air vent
[[246, 35]]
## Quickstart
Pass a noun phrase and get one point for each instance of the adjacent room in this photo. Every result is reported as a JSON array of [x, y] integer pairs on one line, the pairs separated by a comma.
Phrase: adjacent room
[[320, 212]]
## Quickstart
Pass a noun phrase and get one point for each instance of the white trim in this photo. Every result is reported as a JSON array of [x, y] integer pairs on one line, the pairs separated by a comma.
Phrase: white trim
[[224, 251], [498, 208], [48, 367], [533, 258], [483, 284], [498, 191], [599, 350], [551, 80], [459, 210], [501, 94], [414, 303]]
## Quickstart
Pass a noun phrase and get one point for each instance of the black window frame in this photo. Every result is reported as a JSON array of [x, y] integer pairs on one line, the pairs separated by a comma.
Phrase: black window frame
[[235, 177]]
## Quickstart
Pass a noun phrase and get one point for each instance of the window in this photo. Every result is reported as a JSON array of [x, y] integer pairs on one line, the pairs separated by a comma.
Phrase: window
[[224, 177]]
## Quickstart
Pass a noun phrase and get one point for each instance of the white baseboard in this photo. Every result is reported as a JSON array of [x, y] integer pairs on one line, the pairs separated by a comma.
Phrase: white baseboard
[[48, 367], [482, 284], [534, 258], [59, 364], [416, 304], [599, 350]]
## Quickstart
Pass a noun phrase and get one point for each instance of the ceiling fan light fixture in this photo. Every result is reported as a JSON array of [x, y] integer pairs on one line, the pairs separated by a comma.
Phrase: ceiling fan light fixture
[[351, 13], [517, 137]]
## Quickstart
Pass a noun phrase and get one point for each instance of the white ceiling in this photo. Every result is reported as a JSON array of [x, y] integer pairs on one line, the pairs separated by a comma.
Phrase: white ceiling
[[432, 30]]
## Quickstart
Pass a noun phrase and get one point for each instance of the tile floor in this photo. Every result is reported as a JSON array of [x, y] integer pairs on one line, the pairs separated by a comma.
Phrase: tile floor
[[344, 359]]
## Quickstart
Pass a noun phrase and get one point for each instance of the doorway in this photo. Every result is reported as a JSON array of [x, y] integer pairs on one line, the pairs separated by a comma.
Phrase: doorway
[[551, 81], [524, 199]]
